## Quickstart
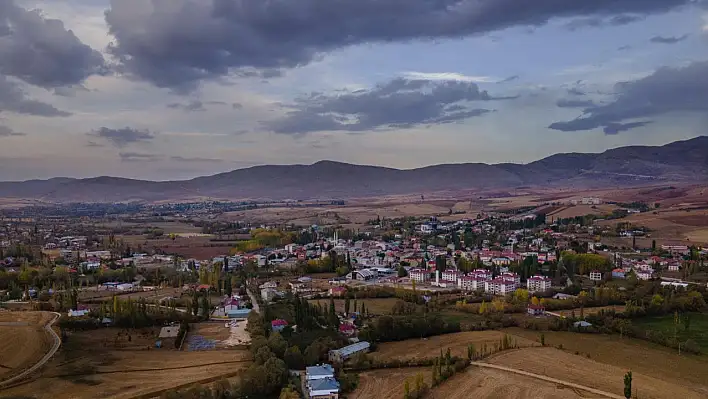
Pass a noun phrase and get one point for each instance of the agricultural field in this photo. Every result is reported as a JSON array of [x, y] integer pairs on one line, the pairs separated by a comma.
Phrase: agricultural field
[[579, 369], [641, 357], [682, 227], [387, 383], [430, 347], [581, 210], [496, 384], [589, 311], [697, 327], [86, 368], [377, 306], [223, 337], [24, 340]]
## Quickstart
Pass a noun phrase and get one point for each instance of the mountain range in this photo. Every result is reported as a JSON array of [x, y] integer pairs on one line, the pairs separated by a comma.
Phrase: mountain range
[[680, 161]]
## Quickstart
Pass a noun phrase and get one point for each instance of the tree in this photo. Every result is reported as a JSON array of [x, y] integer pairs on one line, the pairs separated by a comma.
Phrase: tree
[[402, 271], [289, 392], [686, 322], [542, 338], [628, 385], [277, 344], [346, 306], [206, 307], [294, 359]]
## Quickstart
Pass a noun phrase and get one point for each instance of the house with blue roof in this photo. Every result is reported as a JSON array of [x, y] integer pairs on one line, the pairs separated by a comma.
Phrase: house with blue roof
[[319, 372], [320, 382], [342, 354]]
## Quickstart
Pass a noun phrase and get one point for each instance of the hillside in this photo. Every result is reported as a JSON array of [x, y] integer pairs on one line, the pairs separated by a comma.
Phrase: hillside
[[681, 161]]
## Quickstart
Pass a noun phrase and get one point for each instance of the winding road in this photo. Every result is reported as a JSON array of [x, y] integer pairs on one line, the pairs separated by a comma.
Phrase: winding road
[[549, 379], [45, 358]]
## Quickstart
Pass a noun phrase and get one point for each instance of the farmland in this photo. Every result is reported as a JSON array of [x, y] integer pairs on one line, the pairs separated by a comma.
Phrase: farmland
[[24, 341], [697, 327], [591, 310], [630, 354], [430, 347], [496, 384], [387, 383], [85, 367], [373, 305], [577, 369]]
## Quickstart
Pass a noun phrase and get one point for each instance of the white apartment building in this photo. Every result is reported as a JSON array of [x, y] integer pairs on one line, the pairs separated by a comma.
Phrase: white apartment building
[[596, 275], [538, 284], [471, 283], [500, 286], [419, 275], [451, 275]]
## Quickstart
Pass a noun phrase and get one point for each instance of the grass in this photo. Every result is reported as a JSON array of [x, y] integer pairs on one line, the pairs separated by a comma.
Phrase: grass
[[697, 331]]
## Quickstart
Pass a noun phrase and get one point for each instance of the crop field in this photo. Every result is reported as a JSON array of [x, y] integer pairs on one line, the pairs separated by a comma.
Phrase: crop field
[[430, 347], [92, 371], [641, 357], [377, 306], [23, 341], [579, 369], [387, 383], [697, 327], [496, 384]]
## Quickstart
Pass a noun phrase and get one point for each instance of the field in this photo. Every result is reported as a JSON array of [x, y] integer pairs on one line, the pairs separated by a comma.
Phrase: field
[[589, 311], [24, 341], [668, 226], [697, 331], [84, 367], [581, 210], [225, 337], [387, 383], [495, 384], [377, 306], [566, 366], [631, 354], [430, 347], [94, 295]]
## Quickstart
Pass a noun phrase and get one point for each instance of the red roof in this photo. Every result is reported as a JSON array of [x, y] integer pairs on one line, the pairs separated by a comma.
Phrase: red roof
[[278, 322], [346, 327], [203, 286]]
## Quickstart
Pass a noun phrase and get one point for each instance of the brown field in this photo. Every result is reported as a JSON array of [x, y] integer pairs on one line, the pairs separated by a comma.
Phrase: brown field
[[566, 366], [377, 306], [457, 342], [387, 383], [669, 226], [94, 295], [85, 368], [630, 354], [582, 210], [496, 384], [23, 342], [589, 311]]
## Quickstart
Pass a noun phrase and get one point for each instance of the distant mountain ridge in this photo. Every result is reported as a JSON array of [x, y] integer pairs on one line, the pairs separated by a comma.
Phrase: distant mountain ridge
[[680, 161]]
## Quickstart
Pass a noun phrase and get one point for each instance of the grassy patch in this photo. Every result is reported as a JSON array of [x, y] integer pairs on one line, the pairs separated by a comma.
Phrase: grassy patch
[[697, 329]]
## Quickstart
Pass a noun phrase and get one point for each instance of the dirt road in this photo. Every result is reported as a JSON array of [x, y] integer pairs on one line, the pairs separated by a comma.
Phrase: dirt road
[[43, 360]]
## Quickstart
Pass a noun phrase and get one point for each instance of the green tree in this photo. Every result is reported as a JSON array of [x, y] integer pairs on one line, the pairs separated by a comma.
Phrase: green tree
[[346, 306], [277, 344], [402, 271], [289, 392], [628, 385], [294, 359]]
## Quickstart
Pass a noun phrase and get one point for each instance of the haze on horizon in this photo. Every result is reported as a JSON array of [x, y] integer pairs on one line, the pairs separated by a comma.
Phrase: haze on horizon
[[176, 89]]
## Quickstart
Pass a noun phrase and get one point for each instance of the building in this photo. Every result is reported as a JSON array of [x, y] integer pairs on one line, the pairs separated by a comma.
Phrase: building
[[278, 324], [268, 294], [320, 382], [642, 275], [471, 283], [618, 273], [538, 284], [590, 201], [596, 275], [348, 330], [500, 286], [337, 291], [419, 275], [362, 275], [674, 267], [451, 275], [342, 354], [535, 310]]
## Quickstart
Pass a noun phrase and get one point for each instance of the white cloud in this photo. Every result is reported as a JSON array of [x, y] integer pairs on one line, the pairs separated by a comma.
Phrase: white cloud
[[449, 76], [705, 23]]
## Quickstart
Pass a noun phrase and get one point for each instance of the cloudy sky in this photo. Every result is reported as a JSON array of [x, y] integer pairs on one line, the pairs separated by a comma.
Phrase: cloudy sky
[[165, 89]]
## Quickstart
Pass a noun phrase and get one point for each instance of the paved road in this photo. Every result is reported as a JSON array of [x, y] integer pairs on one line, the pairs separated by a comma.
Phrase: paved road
[[45, 359], [549, 379]]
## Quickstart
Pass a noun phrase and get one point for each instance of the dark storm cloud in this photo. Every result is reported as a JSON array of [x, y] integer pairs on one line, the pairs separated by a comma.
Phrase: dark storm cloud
[[614, 128], [399, 103], [138, 157], [177, 43], [596, 22], [124, 136], [195, 159], [668, 40], [14, 99], [666, 90], [42, 51], [569, 103], [6, 131]]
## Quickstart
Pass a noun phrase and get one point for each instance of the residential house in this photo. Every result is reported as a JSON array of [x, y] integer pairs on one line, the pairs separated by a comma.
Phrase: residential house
[[347, 329], [278, 325], [596, 275], [618, 273], [320, 382], [268, 294], [674, 267], [535, 310], [337, 291]]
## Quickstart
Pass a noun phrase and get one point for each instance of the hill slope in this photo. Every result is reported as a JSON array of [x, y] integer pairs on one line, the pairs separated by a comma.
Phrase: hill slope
[[674, 162]]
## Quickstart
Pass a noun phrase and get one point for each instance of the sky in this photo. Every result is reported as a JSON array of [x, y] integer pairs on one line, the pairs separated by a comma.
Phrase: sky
[[174, 89]]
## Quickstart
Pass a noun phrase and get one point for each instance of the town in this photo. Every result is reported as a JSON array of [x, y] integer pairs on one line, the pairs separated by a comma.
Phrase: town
[[316, 306]]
